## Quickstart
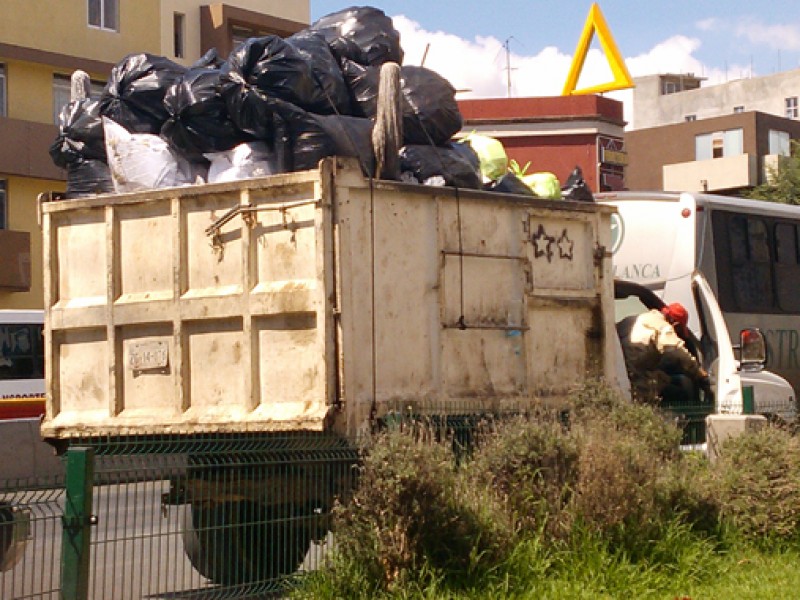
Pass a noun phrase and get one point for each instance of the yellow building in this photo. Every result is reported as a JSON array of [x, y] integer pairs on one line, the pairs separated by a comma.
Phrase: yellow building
[[42, 42]]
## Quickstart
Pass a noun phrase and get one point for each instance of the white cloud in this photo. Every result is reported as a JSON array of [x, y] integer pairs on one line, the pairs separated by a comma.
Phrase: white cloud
[[479, 65], [707, 24], [778, 37]]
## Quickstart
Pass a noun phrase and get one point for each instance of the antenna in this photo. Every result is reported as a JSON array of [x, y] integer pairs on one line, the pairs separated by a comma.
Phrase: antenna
[[507, 46]]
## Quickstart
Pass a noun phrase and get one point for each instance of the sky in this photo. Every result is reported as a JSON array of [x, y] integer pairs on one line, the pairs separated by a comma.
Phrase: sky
[[481, 47]]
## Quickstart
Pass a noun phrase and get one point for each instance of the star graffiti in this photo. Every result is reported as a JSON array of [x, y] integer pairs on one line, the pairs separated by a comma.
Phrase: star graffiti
[[543, 244], [565, 246]]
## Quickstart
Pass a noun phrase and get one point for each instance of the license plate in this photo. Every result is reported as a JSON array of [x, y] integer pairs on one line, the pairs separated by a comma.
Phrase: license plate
[[143, 356]]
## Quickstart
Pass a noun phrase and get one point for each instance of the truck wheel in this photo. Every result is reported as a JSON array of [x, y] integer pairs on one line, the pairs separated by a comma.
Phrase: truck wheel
[[6, 531], [15, 531], [243, 542]]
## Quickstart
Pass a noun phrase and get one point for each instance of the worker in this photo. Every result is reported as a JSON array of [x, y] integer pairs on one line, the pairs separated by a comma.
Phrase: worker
[[659, 364]]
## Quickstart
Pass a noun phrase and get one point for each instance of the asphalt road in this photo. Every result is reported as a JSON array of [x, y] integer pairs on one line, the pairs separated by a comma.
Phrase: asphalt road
[[137, 548]]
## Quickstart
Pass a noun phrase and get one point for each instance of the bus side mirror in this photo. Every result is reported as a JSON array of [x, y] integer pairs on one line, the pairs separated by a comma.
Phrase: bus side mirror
[[752, 349]]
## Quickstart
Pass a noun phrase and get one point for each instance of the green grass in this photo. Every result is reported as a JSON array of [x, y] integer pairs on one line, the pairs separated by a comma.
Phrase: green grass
[[594, 572]]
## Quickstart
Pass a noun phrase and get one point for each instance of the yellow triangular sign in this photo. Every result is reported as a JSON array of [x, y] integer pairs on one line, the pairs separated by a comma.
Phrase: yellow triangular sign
[[622, 78]]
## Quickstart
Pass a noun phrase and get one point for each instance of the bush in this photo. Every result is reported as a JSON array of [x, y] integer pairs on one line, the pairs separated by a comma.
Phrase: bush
[[530, 467], [521, 496], [410, 516], [757, 479]]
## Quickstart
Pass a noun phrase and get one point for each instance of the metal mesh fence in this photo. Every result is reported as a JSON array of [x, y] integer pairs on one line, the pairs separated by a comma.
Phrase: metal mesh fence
[[30, 538], [211, 516]]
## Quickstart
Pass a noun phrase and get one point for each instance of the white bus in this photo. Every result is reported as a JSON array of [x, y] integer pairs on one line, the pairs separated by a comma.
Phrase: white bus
[[747, 250], [21, 363]]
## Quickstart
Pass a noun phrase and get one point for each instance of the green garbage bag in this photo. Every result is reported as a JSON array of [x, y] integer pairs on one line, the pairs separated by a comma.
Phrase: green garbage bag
[[544, 185], [492, 155]]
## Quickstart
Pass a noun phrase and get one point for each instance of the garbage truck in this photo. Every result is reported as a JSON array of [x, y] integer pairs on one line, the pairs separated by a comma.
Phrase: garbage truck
[[315, 302]]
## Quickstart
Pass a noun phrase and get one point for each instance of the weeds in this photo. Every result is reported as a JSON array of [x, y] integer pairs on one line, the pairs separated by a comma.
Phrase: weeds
[[599, 505]]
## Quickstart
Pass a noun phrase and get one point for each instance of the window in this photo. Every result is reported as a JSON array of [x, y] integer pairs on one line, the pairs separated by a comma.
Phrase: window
[[791, 107], [787, 269], [178, 21], [779, 143], [690, 118], [3, 206], [738, 109], [670, 87], [104, 14], [21, 352], [751, 272], [2, 90], [719, 144], [62, 91]]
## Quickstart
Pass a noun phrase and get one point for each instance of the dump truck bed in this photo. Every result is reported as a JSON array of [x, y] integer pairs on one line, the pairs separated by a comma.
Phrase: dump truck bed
[[316, 300]]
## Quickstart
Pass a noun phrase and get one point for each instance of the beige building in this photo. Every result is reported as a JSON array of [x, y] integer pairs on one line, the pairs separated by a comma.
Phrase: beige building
[[677, 98], [724, 138], [37, 56]]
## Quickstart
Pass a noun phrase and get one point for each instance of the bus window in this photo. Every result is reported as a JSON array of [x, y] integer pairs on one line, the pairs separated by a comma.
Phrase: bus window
[[21, 351], [787, 269], [21, 354], [751, 266]]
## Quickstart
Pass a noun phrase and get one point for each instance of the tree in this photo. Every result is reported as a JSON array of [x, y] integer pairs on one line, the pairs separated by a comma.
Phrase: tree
[[784, 182]]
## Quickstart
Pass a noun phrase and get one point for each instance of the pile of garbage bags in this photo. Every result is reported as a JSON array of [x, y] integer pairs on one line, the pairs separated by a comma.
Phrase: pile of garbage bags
[[274, 105]]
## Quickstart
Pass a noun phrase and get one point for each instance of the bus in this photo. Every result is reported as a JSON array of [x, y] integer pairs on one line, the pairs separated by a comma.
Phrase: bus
[[747, 250], [21, 364]]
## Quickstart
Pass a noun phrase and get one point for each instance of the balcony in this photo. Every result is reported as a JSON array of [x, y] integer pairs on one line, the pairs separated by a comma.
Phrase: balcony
[[717, 174], [15, 261], [25, 149]]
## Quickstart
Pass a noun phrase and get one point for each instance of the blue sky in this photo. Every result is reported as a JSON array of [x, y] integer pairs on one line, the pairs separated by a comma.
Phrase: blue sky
[[465, 40]]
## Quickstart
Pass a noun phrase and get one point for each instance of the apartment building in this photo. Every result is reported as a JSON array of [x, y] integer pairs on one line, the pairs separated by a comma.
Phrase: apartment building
[[42, 42], [723, 138]]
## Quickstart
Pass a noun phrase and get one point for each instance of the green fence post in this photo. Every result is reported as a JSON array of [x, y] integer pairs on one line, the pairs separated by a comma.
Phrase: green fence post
[[748, 405], [76, 523]]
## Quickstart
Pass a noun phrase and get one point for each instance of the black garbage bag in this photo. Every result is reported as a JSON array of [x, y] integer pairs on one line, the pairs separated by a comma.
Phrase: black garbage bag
[[88, 177], [510, 184], [80, 134], [430, 110], [198, 120], [362, 84], [134, 93], [209, 60], [361, 33], [467, 153], [335, 96], [275, 69], [576, 188], [248, 107], [424, 161], [311, 137]]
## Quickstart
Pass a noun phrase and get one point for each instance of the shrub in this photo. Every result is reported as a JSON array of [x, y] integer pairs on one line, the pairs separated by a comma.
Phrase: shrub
[[631, 483], [407, 516], [757, 477], [530, 467]]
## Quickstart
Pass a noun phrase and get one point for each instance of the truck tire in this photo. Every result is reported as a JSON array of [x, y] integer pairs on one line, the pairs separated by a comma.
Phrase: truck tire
[[15, 531], [244, 541], [6, 532]]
